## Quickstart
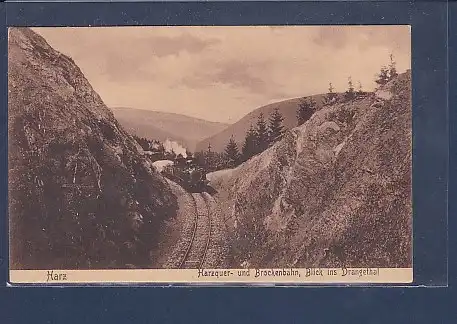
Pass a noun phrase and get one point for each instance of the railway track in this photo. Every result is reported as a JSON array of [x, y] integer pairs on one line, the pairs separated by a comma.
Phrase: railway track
[[196, 252]]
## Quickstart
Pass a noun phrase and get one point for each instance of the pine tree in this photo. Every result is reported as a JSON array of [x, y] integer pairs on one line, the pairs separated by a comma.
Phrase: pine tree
[[359, 89], [306, 109], [180, 160], [383, 76], [350, 93], [200, 159], [331, 95], [161, 150], [231, 154], [261, 134], [276, 129], [143, 142], [249, 146], [392, 68], [209, 158], [221, 162]]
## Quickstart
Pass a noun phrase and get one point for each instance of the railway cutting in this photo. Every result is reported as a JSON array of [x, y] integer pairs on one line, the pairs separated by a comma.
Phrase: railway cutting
[[201, 235]]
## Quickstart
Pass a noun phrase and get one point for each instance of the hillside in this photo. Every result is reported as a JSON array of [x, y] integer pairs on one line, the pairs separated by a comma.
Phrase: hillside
[[80, 194], [287, 108], [334, 192], [187, 131]]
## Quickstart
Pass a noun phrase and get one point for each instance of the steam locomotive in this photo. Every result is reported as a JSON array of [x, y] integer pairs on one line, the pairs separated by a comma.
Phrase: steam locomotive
[[187, 174]]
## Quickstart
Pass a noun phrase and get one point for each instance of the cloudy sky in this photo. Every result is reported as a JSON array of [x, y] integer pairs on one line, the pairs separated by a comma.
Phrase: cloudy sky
[[222, 73]]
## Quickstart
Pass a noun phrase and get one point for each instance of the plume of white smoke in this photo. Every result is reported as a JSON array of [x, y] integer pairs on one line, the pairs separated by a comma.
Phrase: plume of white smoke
[[175, 147], [161, 164]]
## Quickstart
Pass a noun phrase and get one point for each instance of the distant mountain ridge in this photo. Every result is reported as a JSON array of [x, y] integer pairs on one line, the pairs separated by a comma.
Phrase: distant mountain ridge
[[186, 130], [287, 108]]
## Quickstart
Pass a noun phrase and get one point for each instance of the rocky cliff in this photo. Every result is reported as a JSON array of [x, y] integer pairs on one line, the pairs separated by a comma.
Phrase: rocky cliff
[[80, 194], [334, 192]]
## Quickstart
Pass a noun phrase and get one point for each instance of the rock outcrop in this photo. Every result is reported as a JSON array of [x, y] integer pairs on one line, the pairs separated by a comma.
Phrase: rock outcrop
[[80, 194], [335, 191]]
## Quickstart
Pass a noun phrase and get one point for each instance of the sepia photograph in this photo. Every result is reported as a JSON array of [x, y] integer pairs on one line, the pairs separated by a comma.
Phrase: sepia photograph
[[200, 154]]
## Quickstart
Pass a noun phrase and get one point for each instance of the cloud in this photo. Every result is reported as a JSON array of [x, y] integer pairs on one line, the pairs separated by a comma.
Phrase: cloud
[[162, 46], [397, 38], [172, 146], [234, 73], [123, 53], [221, 73], [335, 37], [139, 61]]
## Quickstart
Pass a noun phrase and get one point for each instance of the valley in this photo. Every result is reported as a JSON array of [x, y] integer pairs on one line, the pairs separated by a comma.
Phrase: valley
[[86, 192], [185, 130]]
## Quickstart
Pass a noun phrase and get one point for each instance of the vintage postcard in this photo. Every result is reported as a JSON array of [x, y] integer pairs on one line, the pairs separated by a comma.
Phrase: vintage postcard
[[242, 155]]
